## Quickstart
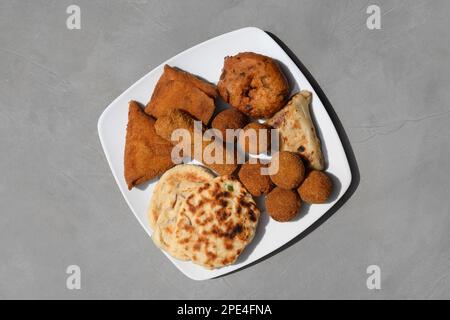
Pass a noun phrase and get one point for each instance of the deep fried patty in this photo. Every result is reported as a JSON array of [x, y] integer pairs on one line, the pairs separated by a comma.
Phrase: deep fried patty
[[254, 84], [291, 170], [251, 177], [283, 205], [230, 118], [257, 142], [316, 188]]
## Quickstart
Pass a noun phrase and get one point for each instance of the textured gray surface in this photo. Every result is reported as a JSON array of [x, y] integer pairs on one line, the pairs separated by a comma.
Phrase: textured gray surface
[[60, 205]]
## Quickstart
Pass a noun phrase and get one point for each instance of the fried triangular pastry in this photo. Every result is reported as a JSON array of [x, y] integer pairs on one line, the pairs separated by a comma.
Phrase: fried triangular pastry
[[147, 155]]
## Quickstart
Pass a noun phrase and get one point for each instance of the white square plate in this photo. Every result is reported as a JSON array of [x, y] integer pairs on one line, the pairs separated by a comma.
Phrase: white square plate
[[206, 60]]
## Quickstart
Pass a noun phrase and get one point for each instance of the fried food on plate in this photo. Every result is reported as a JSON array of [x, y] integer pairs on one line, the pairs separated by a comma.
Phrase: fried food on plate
[[180, 95], [291, 170], [146, 154], [171, 190], [283, 205], [216, 222], [171, 73], [177, 89], [177, 119], [255, 138], [225, 165], [251, 177], [254, 84], [316, 188], [230, 118], [297, 131]]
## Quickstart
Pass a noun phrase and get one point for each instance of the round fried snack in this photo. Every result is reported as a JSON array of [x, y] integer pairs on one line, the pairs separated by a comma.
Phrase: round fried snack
[[255, 138], [254, 84], [291, 170], [229, 119], [252, 179], [316, 188], [283, 205]]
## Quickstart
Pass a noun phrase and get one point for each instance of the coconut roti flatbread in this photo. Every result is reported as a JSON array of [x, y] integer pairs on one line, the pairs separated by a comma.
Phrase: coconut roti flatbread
[[216, 222], [169, 193]]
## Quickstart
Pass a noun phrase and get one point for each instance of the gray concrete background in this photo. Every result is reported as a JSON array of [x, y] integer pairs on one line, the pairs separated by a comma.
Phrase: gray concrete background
[[59, 204]]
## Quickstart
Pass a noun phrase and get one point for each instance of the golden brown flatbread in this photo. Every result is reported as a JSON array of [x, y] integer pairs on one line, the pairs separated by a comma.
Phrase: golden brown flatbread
[[147, 155], [216, 222], [170, 192], [177, 89]]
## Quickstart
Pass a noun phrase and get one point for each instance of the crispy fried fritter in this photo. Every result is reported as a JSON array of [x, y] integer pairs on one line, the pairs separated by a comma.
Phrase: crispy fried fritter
[[178, 119], [180, 95], [283, 205], [225, 166], [255, 138], [177, 89], [229, 119], [291, 170], [171, 73], [251, 177], [316, 188], [253, 84], [146, 154]]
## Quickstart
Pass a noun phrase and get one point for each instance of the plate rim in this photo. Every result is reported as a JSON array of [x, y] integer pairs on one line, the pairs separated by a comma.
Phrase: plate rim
[[344, 184]]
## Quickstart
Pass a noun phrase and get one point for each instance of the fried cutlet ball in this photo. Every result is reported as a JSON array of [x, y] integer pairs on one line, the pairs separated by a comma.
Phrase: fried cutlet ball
[[255, 138], [316, 188], [179, 119], [283, 205], [229, 119], [225, 166], [252, 178], [253, 84], [291, 170]]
